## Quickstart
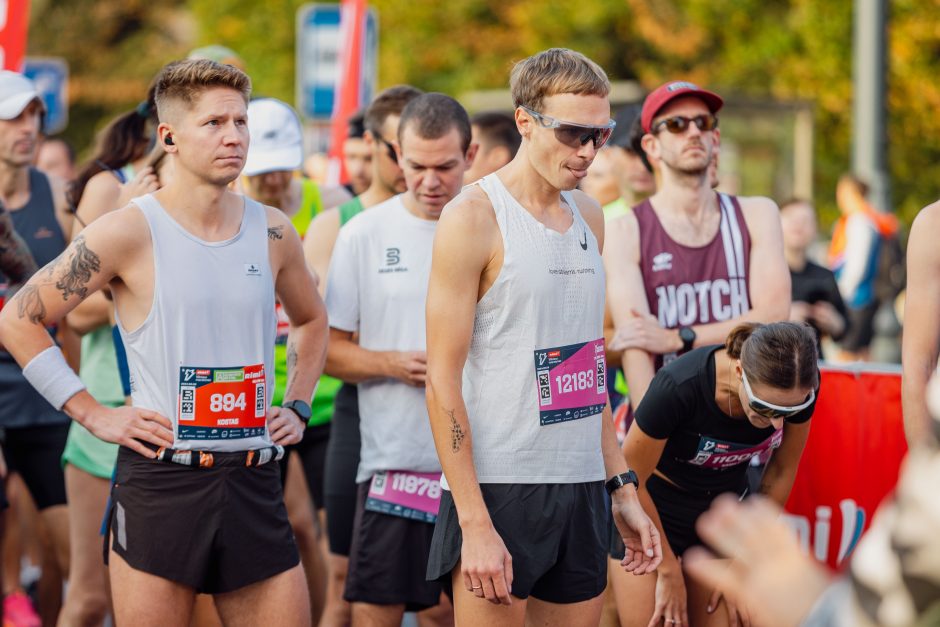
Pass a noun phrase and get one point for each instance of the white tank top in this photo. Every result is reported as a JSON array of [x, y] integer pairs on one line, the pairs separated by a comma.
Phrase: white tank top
[[204, 356], [534, 383]]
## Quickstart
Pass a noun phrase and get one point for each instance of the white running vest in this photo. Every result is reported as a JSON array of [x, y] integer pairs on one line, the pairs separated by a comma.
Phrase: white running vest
[[204, 355], [534, 382]]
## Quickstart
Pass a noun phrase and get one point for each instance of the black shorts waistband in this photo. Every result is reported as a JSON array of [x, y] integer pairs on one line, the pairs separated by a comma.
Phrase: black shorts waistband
[[215, 459]]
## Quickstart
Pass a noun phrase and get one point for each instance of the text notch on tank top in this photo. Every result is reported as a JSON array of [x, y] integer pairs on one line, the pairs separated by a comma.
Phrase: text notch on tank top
[[548, 300], [689, 285], [203, 357]]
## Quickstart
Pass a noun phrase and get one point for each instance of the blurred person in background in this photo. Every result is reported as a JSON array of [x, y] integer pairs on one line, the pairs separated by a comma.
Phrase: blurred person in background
[[815, 296], [498, 139], [34, 433], [858, 239], [56, 156], [618, 178], [357, 156]]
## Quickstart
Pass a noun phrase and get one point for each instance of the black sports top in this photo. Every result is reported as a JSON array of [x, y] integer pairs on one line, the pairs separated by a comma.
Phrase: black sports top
[[707, 451]]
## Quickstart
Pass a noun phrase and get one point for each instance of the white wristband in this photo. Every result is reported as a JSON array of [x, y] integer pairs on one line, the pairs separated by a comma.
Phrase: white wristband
[[52, 377]]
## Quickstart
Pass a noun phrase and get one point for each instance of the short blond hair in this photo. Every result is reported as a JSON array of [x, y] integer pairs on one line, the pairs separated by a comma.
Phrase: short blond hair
[[184, 81], [555, 71]]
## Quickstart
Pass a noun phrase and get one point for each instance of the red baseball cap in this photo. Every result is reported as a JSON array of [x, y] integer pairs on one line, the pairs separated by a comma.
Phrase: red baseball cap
[[664, 94]]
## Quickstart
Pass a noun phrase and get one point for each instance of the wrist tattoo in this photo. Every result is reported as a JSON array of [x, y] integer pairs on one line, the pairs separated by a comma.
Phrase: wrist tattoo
[[457, 434]]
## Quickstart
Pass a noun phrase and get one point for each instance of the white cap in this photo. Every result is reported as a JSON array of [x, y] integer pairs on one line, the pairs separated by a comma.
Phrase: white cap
[[276, 137], [16, 91]]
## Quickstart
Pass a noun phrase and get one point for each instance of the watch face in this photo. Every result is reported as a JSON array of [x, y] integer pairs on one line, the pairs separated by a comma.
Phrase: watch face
[[687, 334]]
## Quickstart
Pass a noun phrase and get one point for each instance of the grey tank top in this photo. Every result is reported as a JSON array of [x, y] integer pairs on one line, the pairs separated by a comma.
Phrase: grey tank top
[[204, 356], [534, 382], [36, 223]]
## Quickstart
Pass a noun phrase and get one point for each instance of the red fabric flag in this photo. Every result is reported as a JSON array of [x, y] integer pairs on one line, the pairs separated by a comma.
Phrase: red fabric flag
[[348, 84], [14, 23]]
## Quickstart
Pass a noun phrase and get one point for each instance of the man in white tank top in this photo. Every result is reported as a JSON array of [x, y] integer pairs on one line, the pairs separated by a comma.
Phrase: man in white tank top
[[524, 435], [194, 270]]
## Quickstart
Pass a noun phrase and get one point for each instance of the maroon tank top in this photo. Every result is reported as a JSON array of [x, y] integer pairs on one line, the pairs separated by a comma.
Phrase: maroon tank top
[[688, 285]]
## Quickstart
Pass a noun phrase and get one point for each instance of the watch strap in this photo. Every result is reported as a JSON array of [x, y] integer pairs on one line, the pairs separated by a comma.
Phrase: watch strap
[[618, 481]]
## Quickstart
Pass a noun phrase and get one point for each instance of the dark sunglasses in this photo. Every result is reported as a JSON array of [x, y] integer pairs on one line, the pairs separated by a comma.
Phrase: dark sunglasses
[[571, 134], [679, 123], [769, 410], [388, 146]]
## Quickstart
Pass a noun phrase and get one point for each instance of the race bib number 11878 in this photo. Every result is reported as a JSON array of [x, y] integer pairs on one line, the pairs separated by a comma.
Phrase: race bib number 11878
[[571, 381], [221, 403]]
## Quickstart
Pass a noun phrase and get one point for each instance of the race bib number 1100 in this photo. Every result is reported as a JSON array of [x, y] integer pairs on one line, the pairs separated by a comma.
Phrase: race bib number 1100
[[571, 381], [221, 403]]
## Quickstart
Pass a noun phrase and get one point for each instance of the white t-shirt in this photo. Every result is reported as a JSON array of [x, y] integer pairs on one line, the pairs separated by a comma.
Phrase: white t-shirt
[[378, 285]]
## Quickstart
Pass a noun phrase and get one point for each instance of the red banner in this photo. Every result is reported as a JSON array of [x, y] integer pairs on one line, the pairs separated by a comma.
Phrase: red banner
[[352, 25], [851, 462], [14, 24]]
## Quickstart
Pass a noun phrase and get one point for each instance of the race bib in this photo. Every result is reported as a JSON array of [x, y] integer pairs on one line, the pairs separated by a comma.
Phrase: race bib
[[413, 495], [572, 381], [221, 403], [719, 454]]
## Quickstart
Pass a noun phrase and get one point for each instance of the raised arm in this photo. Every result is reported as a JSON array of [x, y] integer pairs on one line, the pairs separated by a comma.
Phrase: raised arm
[[306, 344], [921, 342]]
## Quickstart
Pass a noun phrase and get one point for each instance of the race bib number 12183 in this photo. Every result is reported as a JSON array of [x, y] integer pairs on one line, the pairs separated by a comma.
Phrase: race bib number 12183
[[571, 381]]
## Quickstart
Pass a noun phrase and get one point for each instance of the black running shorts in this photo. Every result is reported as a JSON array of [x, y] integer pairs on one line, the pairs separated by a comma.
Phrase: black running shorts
[[388, 560], [312, 451], [36, 454], [214, 529], [557, 534]]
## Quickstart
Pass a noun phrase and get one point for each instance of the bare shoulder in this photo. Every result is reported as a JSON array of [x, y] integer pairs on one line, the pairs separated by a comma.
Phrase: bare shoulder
[[921, 245], [280, 228], [327, 221], [927, 218], [333, 195], [759, 209], [592, 213], [119, 234], [471, 211], [100, 196], [623, 238]]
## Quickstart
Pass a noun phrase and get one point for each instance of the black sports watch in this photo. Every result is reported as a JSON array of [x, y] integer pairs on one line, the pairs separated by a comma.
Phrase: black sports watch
[[300, 408], [687, 335], [618, 481]]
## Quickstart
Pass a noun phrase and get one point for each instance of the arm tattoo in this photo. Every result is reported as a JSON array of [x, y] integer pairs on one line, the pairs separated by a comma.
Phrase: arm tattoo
[[291, 358], [81, 264], [29, 304], [276, 232], [16, 262], [456, 432]]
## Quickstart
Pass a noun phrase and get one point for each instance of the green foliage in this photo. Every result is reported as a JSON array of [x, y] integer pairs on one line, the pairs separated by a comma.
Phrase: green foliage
[[760, 49]]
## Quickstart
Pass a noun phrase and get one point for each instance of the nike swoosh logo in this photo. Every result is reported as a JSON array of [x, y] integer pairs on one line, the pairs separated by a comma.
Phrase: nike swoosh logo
[[584, 241]]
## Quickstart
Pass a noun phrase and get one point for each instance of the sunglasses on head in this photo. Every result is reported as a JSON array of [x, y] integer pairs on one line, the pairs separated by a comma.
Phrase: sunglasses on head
[[571, 134], [769, 410], [679, 123]]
